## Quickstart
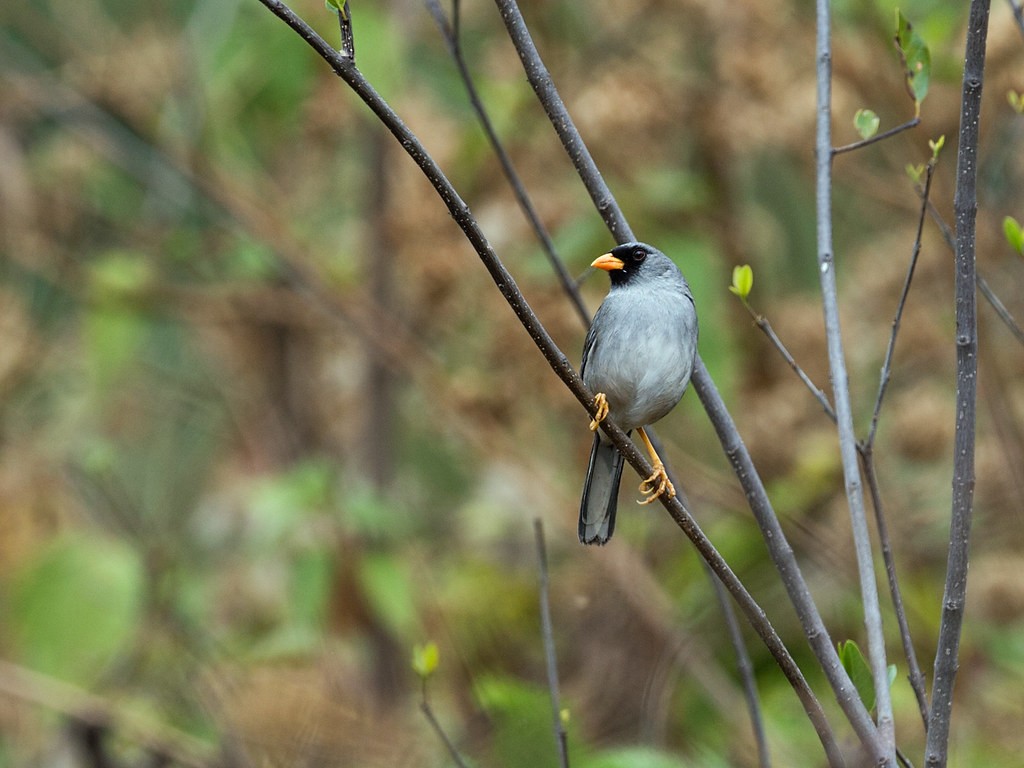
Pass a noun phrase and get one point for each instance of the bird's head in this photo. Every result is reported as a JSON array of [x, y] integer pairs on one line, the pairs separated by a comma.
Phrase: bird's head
[[635, 262]]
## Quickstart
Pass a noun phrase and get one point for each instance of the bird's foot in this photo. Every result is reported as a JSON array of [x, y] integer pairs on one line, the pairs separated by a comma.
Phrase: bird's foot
[[601, 402], [656, 485]]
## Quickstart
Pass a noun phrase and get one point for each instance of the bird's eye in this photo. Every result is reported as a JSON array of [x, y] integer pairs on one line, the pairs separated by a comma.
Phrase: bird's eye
[[639, 255]]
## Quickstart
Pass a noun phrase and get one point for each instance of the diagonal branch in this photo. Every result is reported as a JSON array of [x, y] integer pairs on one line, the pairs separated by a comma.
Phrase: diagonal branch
[[450, 31], [891, 348], [763, 323], [986, 290], [543, 85]]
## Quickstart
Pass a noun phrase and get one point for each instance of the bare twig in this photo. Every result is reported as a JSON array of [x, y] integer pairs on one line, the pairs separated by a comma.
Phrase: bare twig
[[914, 674], [549, 647], [561, 120], [560, 364], [348, 43], [782, 555], [866, 450], [745, 669], [867, 459], [983, 286], [904, 760], [875, 139], [891, 348], [450, 31], [841, 392], [965, 204], [766, 327], [1000, 308], [428, 712]]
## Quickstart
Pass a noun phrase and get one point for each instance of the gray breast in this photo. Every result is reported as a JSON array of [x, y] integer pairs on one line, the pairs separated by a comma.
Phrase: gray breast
[[643, 353]]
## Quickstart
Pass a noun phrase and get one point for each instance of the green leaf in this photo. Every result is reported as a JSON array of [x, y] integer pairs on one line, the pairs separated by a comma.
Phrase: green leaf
[[1014, 234], [857, 668], [892, 674], [915, 172], [75, 606], [336, 6], [425, 659], [1016, 101], [936, 146], [742, 281], [866, 122], [916, 58]]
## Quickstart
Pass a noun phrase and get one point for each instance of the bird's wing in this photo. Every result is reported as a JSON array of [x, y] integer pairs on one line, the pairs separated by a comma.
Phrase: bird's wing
[[588, 346]]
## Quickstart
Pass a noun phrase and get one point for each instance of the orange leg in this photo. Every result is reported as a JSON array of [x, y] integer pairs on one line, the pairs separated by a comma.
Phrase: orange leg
[[658, 483], [602, 411]]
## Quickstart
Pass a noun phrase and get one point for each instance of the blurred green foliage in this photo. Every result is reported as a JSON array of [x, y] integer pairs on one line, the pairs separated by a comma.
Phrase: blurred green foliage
[[75, 606]]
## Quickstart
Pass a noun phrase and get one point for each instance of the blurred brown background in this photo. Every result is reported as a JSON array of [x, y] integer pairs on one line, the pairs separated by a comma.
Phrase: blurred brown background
[[266, 423]]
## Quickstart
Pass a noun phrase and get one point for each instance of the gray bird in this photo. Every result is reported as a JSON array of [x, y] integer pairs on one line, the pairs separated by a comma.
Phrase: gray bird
[[637, 359]]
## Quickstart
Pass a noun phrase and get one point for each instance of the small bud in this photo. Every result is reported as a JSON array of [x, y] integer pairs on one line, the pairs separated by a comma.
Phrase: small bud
[[742, 281], [425, 659]]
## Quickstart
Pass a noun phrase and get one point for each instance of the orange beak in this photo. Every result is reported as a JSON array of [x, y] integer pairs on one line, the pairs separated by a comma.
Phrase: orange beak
[[607, 263]]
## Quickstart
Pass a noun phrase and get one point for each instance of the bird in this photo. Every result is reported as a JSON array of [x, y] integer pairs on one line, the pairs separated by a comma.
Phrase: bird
[[638, 357]]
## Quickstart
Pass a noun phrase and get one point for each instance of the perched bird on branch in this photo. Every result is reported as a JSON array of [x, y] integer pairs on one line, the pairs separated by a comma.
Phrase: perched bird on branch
[[637, 359]]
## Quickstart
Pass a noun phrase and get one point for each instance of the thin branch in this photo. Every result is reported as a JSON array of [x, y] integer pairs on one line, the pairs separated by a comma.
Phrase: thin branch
[[965, 204], [778, 547], [866, 450], [561, 738], [904, 760], [1000, 308], [914, 674], [867, 459], [983, 286], [879, 137], [560, 364], [891, 348], [450, 32], [841, 391], [782, 555], [561, 120], [435, 725], [348, 43], [766, 327], [745, 669]]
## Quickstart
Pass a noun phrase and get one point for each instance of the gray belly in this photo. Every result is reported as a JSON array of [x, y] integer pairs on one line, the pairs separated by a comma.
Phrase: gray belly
[[644, 380]]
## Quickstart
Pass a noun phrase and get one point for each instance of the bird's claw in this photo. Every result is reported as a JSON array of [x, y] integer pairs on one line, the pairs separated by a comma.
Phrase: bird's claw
[[601, 403], [656, 485]]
